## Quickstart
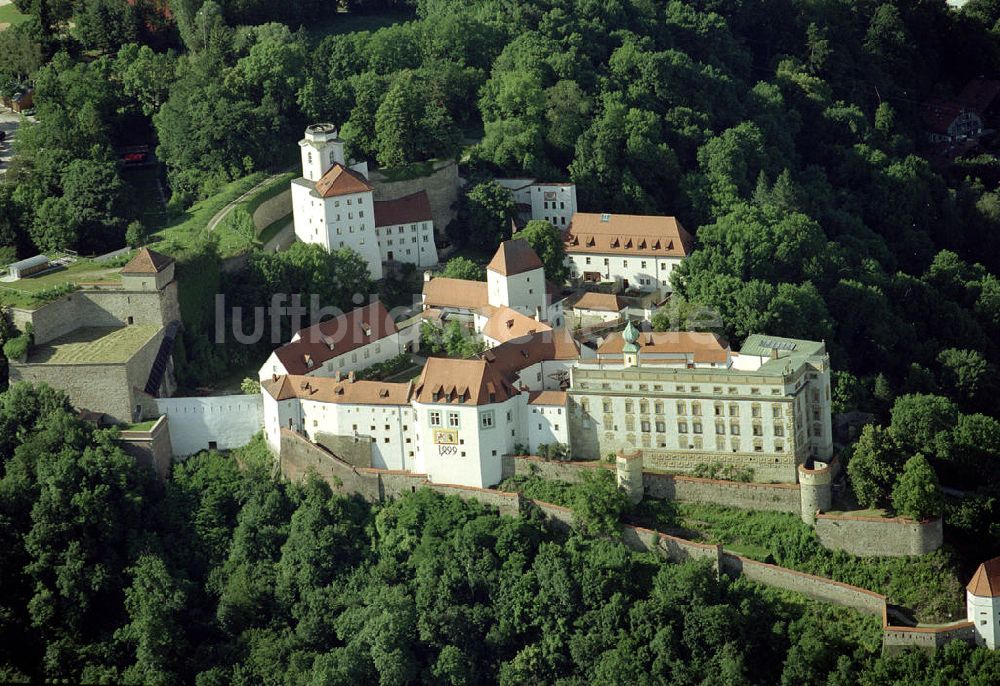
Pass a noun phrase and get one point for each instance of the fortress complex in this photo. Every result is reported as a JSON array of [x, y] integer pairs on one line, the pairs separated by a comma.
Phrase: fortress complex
[[109, 345], [685, 399]]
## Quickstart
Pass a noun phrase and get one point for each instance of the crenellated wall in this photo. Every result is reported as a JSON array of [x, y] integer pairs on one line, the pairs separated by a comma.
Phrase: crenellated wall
[[298, 457]]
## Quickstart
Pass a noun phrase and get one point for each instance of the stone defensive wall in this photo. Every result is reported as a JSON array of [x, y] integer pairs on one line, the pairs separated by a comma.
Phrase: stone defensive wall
[[441, 187], [221, 422], [866, 536], [744, 495], [272, 209], [298, 457], [107, 306], [150, 447], [897, 638]]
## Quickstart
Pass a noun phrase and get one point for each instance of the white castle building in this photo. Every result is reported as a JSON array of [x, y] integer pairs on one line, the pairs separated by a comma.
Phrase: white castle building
[[333, 206], [686, 399], [514, 300], [553, 202], [632, 251]]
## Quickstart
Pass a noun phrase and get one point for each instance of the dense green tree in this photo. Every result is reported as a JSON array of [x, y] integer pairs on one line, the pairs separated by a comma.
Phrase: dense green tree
[[920, 423], [546, 240], [484, 218], [463, 268], [874, 466], [916, 493], [105, 25]]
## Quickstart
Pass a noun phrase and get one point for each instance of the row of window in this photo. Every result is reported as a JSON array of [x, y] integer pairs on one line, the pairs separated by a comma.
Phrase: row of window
[[400, 229], [679, 388]]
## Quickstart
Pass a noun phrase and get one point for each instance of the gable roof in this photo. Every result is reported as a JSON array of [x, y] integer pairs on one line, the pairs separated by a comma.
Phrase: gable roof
[[406, 210], [457, 293], [600, 302], [985, 583], [336, 390], [938, 114], [979, 94], [703, 347], [147, 261], [547, 398], [506, 324], [461, 382], [339, 180], [514, 256], [627, 234], [515, 355], [321, 342]]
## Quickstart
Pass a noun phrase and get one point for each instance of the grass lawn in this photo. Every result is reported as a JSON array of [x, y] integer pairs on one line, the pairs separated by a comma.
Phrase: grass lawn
[[10, 15], [273, 188], [272, 229], [93, 344], [345, 22], [181, 232], [24, 292]]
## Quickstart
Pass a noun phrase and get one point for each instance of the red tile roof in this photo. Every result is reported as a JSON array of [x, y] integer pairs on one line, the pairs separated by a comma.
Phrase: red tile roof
[[406, 210], [985, 583], [938, 114], [704, 347], [461, 382], [979, 94], [513, 356], [547, 398], [515, 256], [627, 234], [506, 324], [337, 390], [147, 261], [457, 293], [339, 180], [600, 302], [324, 341]]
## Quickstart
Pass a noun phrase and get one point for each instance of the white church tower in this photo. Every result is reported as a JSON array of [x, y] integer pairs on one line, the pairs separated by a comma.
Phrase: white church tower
[[515, 278], [321, 149], [332, 202], [982, 602]]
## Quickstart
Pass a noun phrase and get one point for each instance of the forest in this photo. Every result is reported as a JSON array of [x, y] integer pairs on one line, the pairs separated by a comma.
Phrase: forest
[[784, 134], [225, 575]]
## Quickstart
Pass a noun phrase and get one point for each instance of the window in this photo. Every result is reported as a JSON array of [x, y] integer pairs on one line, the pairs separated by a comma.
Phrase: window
[[644, 406], [696, 427], [681, 408], [779, 430], [734, 429], [696, 409], [453, 420], [720, 428], [644, 425], [661, 427], [658, 407], [718, 409], [682, 427], [776, 411], [629, 407], [487, 419], [755, 411], [435, 418], [757, 430]]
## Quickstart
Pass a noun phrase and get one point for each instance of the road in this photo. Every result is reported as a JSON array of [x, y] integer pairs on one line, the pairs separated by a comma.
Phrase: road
[[221, 214]]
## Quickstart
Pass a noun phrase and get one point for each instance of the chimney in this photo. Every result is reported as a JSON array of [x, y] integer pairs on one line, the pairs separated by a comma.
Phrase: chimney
[[350, 377], [538, 313], [336, 377], [774, 353], [274, 377], [428, 276]]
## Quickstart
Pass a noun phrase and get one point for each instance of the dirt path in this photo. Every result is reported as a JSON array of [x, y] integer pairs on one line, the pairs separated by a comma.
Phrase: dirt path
[[221, 214]]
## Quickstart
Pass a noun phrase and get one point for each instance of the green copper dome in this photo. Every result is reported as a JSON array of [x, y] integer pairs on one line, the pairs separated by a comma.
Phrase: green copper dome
[[631, 336]]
